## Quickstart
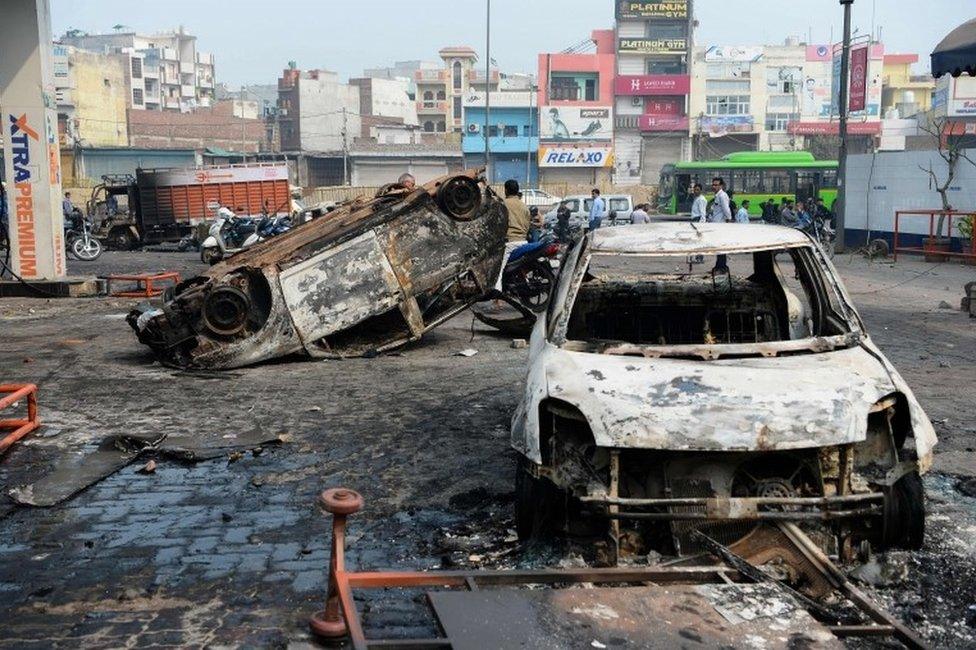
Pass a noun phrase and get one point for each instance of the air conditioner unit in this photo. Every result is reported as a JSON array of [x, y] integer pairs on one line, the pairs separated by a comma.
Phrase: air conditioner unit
[[473, 128], [637, 101]]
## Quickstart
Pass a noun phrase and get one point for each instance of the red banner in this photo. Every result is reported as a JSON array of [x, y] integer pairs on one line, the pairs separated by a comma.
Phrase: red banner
[[859, 78], [663, 123], [653, 84], [833, 128]]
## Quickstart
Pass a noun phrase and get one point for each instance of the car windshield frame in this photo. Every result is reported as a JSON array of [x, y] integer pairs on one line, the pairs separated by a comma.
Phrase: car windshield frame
[[825, 282]]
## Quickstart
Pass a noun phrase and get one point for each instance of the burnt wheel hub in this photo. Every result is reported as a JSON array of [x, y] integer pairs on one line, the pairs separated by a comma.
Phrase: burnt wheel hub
[[460, 197], [225, 310]]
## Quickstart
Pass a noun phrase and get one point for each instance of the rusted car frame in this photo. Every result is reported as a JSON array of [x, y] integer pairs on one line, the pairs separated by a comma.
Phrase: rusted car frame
[[370, 276], [798, 399]]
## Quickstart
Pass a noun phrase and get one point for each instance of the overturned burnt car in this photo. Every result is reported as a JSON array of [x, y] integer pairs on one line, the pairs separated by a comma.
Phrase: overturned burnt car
[[370, 276], [712, 377]]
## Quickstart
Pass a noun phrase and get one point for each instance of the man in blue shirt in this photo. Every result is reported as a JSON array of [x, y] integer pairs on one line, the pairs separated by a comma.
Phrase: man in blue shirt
[[597, 210]]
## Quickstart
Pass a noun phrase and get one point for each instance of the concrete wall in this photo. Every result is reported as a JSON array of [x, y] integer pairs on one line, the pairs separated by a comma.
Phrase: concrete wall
[[882, 183], [101, 97], [202, 128], [322, 99]]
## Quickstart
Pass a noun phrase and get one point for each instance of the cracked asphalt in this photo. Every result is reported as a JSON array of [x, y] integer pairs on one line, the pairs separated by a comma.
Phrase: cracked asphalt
[[234, 551]]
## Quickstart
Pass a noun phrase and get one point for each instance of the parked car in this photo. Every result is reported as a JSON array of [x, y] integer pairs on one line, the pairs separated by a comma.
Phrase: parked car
[[619, 208], [373, 275], [539, 198], [711, 377]]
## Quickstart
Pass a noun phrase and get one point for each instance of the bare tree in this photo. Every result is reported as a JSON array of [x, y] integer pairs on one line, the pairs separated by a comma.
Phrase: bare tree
[[951, 151]]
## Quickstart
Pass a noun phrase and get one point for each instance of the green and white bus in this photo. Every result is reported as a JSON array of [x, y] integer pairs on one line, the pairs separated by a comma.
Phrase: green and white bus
[[753, 175]]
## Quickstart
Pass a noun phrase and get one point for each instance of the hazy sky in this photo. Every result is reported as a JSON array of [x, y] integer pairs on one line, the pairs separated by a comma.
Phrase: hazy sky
[[253, 40]]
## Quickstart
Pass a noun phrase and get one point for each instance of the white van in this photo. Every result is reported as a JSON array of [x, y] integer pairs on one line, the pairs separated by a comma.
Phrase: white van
[[619, 209]]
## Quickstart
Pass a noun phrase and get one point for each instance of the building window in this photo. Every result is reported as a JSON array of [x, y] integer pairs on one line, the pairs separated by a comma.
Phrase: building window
[[136, 68], [441, 95], [564, 88], [568, 86], [457, 108], [527, 131], [730, 70], [458, 75], [441, 127], [665, 66], [780, 121], [429, 126], [493, 131], [428, 96], [727, 104], [510, 131], [137, 96], [784, 80], [667, 30]]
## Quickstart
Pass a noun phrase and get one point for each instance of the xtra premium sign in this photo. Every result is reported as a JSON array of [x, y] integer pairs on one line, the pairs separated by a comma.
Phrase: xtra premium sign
[[653, 45], [564, 156], [677, 10], [576, 123], [653, 84]]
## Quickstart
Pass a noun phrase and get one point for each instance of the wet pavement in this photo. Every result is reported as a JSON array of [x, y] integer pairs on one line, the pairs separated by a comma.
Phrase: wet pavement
[[233, 551]]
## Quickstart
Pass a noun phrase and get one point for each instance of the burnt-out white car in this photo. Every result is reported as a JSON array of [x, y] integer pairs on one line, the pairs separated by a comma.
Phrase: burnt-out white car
[[711, 377]]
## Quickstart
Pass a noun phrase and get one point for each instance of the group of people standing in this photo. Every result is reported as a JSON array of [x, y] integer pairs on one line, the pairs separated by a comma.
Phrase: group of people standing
[[722, 209]]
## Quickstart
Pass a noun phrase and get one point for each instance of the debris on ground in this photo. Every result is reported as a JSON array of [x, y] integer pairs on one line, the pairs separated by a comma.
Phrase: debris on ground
[[468, 352]]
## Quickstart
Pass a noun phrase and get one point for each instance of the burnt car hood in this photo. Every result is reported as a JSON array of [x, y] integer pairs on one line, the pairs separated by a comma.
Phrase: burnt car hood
[[755, 404], [368, 277]]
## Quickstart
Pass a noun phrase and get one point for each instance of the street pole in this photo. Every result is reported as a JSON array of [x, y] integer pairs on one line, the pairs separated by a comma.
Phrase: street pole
[[528, 146], [488, 89], [345, 150], [840, 206], [243, 128]]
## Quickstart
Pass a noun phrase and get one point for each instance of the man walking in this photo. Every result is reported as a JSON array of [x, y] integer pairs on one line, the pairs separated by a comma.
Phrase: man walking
[[699, 205], [721, 211], [519, 222], [597, 210]]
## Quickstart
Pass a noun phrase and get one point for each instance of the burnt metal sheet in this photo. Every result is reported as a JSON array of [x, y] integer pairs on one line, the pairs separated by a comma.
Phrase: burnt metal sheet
[[654, 616]]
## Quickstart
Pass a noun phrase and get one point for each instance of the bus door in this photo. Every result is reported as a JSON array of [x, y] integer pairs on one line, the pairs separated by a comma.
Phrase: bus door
[[807, 185], [682, 185]]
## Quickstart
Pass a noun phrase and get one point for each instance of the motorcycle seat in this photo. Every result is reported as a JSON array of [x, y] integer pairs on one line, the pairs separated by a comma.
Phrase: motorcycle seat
[[526, 249]]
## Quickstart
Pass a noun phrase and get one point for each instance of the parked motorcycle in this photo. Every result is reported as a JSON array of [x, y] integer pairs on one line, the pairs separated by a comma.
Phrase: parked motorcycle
[[267, 228], [528, 276], [226, 236], [79, 240]]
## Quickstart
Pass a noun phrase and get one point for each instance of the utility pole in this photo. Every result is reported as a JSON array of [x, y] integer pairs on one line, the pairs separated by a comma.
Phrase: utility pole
[[845, 71], [487, 90], [528, 146], [345, 150], [243, 128]]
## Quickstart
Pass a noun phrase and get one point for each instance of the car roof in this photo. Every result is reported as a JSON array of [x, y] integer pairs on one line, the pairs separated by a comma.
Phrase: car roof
[[684, 238]]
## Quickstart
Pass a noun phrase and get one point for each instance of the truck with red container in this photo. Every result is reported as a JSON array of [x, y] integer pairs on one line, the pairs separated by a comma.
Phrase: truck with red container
[[165, 205]]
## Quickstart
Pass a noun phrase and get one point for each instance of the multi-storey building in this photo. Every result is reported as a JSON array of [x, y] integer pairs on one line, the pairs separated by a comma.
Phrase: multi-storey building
[[91, 96], [513, 135], [405, 70], [575, 102], [316, 112], [904, 94], [776, 98], [165, 71], [385, 103], [654, 44], [441, 92]]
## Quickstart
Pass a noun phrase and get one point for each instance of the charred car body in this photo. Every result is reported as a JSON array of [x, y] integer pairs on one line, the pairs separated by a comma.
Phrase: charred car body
[[662, 399], [368, 277]]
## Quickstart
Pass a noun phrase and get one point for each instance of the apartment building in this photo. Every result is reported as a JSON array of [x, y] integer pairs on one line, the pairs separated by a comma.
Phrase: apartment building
[[91, 96], [654, 45], [904, 94], [513, 135], [441, 92], [165, 71], [316, 112]]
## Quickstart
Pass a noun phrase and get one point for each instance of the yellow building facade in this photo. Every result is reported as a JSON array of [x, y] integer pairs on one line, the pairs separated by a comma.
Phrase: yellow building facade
[[92, 97], [901, 89]]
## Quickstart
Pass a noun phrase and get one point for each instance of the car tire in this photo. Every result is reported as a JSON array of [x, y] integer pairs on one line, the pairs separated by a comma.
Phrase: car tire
[[904, 514]]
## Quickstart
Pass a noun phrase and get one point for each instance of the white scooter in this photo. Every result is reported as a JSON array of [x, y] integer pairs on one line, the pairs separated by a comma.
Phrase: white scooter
[[227, 235]]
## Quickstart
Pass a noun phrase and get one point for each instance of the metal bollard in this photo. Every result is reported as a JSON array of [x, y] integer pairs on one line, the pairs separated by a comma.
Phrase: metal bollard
[[340, 502]]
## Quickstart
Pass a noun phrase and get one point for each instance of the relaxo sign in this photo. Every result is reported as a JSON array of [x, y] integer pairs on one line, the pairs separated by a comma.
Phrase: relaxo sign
[[575, 156], [20, 135]]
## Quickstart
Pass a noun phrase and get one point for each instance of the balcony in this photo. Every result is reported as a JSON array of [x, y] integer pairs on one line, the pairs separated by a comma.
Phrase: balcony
[[205, 58], [188, 92], [478, 76], [169, 54], [430, 76], [427, 107], [188, 67]]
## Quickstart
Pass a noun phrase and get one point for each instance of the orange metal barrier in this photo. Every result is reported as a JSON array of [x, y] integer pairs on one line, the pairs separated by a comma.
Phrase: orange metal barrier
[[145, 282], [930, 250], [18, 428]]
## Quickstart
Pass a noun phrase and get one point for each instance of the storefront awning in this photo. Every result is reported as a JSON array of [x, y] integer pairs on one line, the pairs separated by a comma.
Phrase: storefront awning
[[956, 54]]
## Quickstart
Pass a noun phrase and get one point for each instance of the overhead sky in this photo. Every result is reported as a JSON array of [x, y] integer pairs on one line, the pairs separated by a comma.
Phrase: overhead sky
[[253, 40]]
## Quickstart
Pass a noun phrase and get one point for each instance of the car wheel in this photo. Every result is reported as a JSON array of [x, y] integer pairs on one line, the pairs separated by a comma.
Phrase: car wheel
[[904, 513]]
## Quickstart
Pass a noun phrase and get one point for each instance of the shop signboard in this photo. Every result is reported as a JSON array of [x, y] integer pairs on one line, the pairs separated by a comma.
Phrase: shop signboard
[[674, 10], [652, 84], [653, 45], [563, 123], [569, 156]]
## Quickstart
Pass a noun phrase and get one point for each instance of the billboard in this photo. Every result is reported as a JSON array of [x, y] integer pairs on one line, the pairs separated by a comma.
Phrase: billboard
[[716, 53], [959, 97], [663, 122], [859, 78], [652, 84], [566, 123], [719, 125], [653, 45], [833, 128], [675, 10], [568, 156]]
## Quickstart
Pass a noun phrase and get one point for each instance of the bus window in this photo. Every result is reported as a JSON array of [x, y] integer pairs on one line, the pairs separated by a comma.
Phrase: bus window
[[747, 181], [778, 181], [828, 179]]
